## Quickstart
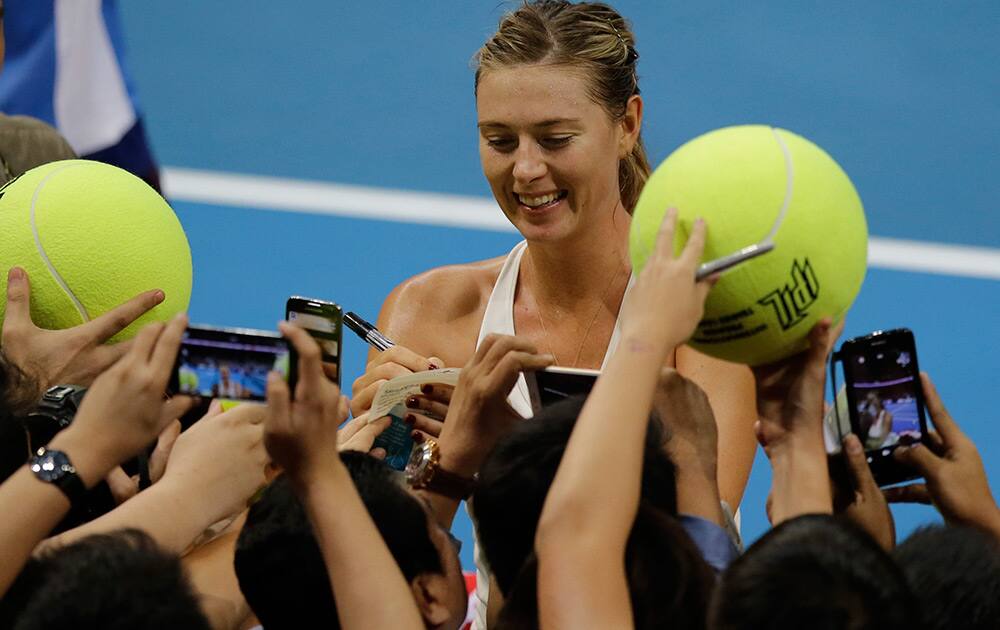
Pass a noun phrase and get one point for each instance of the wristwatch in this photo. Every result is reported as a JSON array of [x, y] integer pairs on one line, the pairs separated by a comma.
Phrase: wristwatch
[[424, 472], [54, 467]]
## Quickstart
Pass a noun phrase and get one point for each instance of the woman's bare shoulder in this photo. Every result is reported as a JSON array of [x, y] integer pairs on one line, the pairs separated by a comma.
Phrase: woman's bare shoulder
[[424, 310]]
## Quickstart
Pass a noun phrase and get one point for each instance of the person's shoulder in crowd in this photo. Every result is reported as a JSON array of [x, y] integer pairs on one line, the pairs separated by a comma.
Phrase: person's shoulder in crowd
[[27, 142]]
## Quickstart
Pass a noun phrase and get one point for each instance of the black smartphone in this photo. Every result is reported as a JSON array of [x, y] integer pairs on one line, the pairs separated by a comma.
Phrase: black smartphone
[[553, 384], [228, 363], [325, 322], [885, 400]]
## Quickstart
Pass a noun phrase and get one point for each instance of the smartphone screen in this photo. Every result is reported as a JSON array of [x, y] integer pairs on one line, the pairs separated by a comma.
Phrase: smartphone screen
[[885, 399], [228, 363], [324, 322]]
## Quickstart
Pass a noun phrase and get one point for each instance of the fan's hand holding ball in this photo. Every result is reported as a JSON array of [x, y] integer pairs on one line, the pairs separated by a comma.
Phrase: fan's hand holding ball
[[105, 255], [755, 183], [667, 301]]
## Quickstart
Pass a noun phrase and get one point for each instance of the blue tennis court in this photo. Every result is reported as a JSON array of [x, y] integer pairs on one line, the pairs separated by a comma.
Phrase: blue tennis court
[[329, 149]]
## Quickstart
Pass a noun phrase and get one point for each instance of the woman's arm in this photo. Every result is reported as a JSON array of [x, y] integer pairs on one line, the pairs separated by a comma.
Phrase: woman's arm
[[590, 508], [731, 392]]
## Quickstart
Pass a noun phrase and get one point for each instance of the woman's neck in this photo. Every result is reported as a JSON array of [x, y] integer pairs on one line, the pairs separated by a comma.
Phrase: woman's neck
[[580, 269]]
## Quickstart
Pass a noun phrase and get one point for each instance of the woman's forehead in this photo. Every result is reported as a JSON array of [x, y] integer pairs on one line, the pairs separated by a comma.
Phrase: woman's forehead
[[533, 95]]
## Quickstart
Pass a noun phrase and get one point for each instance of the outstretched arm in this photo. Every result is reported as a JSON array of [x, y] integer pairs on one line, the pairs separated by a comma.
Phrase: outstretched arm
[[588, 512], [198, 487], [790, 405], [301, 437]]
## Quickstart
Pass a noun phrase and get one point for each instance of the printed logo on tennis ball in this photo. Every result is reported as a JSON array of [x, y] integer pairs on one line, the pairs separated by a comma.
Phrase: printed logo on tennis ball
[[91, 236], [751, 184]]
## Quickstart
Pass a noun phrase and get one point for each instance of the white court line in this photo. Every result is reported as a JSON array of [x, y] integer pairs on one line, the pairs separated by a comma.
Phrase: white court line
[[297, 195]]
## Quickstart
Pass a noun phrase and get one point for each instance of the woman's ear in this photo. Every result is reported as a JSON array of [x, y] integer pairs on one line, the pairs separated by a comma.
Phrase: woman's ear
[[430, 592], [631, 125]]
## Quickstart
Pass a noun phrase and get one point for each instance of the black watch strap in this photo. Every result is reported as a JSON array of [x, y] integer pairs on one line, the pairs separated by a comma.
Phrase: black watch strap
[[451, 485], [54, 467]]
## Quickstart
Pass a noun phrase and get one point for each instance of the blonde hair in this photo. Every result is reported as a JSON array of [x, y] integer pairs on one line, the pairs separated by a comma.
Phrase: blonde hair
[[589, 35]]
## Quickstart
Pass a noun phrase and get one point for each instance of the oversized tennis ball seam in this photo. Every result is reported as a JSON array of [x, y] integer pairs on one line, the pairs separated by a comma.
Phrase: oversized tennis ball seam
[[81, 309], [789, 186], [91, 238]]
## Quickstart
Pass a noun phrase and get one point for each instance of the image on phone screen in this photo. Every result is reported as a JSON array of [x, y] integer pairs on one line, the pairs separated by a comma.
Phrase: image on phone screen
[[883, 386], [228, 363], [886, 400]]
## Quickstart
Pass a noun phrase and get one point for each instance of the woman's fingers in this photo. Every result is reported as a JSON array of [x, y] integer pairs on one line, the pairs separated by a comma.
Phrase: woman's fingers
[[427, 406], [423, 424]]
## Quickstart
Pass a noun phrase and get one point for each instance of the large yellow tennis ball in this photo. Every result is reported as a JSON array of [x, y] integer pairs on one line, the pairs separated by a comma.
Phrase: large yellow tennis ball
[[91, 236], [754, 183]]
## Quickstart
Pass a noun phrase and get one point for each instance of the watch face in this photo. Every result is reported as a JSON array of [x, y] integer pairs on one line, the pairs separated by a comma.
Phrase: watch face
[[51, 466], [416, 468]]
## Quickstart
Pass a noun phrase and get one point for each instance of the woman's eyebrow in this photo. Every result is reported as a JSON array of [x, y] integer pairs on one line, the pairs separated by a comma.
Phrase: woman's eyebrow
[[551, 122]]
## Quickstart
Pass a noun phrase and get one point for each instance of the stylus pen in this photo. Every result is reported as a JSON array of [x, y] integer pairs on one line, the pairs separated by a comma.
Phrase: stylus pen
[[368, 333], [721, 264]]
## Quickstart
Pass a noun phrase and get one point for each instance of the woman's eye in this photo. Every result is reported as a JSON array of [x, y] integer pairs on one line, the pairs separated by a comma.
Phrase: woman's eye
[[501, 144], [554, 142]]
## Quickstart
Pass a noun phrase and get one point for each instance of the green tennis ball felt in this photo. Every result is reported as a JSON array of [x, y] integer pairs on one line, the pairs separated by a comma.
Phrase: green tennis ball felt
[[751, 183], [91, 236]]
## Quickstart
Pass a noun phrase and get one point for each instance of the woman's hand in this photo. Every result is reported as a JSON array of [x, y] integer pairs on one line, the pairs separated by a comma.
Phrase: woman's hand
[[74, 355], [387, 365]]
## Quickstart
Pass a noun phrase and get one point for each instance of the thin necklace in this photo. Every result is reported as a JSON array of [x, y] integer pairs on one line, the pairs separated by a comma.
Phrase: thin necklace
[[586, 333]]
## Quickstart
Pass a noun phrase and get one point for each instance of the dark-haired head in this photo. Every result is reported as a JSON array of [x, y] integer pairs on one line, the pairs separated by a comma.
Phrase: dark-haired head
[[282, 573], [669, 582], [955, 574], [515, 479], [814, 571], [108, 581]]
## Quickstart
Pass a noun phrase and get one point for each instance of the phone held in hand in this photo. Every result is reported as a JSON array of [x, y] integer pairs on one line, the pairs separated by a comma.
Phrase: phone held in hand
[[552, 384], [885, 400], [228, 363], [324, 321]]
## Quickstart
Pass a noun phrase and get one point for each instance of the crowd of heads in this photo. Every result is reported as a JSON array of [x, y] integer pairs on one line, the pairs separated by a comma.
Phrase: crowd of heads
[[282, 514]]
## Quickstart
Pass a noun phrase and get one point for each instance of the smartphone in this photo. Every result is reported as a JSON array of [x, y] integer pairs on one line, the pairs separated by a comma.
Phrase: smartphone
[[228, 363], [885, 400], [552, 384], [325, 322]]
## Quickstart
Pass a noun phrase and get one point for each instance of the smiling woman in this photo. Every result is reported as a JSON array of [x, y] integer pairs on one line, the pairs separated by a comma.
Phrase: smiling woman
[[559, 116]]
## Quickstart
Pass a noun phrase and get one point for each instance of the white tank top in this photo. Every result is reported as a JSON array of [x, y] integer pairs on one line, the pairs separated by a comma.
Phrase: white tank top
[[499, 318]]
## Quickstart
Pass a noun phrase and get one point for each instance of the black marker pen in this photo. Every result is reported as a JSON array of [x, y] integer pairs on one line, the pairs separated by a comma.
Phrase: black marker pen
[[368, 333]]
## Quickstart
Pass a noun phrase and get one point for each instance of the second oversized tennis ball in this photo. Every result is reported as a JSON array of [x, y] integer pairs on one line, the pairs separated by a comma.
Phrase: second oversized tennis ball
[[752, 183], [91, 236]]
